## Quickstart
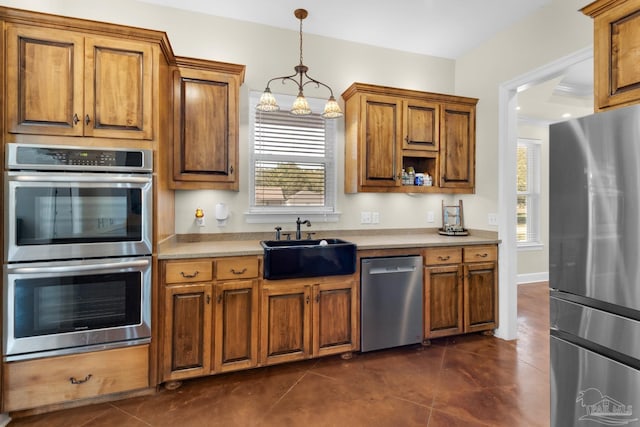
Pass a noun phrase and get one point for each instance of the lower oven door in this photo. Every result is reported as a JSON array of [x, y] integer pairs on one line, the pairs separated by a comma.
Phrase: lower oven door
[[66, 307]]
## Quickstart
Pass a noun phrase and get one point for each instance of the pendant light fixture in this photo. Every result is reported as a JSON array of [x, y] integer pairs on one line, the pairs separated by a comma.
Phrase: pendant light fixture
[[300, 105]]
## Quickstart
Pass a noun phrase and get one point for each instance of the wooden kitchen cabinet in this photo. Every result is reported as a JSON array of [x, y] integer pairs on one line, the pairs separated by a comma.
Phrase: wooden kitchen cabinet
[[307, 318], [210, 316], [236, 325], [55, 380], [206, 123], [480, 288], [335, 317], [616, 39], [461, 290], [443, 293], [188, 337], [457, 149], [68, 83], [389, 129], [286, 323]]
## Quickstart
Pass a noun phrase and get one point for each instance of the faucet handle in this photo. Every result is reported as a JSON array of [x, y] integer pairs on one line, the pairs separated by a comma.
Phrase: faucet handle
[[310, 235], [278, 232], [288, 235]]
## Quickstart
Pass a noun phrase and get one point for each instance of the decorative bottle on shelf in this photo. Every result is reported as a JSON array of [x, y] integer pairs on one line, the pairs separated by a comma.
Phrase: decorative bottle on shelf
[[412, 175]]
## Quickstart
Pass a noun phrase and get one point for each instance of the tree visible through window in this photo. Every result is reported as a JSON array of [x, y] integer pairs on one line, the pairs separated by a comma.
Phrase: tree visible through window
[[528, 187]]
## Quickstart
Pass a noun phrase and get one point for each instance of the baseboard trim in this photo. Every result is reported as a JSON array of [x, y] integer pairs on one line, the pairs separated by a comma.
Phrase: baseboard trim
[[533, 278]]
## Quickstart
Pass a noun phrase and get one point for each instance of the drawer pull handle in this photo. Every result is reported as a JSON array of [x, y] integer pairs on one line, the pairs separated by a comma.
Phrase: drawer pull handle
[[443, 258], [244, 270], [75, 381], [484, 255], [189, 276]]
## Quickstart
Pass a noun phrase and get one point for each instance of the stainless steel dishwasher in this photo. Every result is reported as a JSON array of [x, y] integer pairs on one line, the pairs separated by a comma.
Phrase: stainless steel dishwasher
[[391, 302]]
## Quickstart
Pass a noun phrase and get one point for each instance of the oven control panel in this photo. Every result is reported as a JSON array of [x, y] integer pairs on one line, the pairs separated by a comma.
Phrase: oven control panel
[[22, 156]]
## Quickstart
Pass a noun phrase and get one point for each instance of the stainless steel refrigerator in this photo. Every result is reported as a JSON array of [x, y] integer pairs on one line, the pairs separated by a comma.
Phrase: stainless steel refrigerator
[[594, 269]]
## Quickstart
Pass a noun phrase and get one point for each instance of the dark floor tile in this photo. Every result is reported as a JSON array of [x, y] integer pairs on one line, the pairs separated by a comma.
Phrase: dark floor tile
[[92, 415], [322, 401]]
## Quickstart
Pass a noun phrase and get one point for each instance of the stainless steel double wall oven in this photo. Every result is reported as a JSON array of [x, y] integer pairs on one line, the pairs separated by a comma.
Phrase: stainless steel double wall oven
[[78, 232]]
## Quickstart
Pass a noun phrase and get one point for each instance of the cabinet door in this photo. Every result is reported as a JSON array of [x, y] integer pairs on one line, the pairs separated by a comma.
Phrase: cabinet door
[[44, 81], [381, 136], [187, 332], [457, 150], [421, 126], [236, 325], [335, 318], [206, 123], [118, 89], [480, 296], [285, 324], [616, 47], [443, 301]]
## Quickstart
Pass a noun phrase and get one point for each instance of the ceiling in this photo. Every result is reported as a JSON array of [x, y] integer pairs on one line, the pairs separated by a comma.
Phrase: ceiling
[[443, 28]]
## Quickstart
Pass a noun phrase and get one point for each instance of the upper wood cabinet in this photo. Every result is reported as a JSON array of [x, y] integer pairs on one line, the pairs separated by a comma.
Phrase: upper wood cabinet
[[67, 83], [205, 141], [388, 130], [616, 40]]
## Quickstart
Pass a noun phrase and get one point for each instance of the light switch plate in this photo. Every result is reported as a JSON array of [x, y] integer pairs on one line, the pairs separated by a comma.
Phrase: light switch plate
[[493, 219], [430, 216], [365, 217], [375, 217]]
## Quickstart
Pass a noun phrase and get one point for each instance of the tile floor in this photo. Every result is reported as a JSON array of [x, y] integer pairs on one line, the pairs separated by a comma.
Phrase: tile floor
[[468, 381]]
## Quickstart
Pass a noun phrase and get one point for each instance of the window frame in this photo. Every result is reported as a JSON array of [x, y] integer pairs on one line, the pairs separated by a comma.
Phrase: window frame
[[533, 195], [278, 214]]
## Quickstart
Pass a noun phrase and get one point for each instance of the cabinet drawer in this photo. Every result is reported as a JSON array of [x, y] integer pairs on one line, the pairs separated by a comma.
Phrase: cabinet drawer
[[189, 271], [480, 253], [441, 256], [236, 268], [40, 382]]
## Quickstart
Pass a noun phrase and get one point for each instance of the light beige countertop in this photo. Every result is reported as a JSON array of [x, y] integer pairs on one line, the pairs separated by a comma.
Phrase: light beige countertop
[[238, 244]]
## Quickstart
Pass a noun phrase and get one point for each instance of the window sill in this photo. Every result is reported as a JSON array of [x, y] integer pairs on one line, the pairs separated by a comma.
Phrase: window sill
[[530, 247], [287, 217]]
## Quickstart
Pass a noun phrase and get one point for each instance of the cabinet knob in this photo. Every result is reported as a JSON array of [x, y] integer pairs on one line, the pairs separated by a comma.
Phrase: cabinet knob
[[208, 298], [87, 120], [231, 170], [75, 119]]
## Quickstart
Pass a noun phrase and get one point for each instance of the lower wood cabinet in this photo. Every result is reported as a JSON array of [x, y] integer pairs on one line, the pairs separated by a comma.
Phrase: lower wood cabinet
[[308, 318], [236, 325], [211, 326], [461, 290], [40, 382]]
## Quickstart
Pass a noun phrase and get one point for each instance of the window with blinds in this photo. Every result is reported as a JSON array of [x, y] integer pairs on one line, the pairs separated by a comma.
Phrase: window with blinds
[[292, 159], [528, 186]]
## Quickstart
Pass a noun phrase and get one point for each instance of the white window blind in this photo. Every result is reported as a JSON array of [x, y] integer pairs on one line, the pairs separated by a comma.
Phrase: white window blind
[[528, 186], [292, 159]]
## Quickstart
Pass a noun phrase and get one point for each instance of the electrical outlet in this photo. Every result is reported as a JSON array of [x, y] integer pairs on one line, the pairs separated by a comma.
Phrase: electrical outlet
[[430, 216], [375, 217], [365, 217], [493, 219]]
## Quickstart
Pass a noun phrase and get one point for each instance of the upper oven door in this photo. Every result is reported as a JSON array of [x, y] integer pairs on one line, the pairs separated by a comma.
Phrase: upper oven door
[[76, 215]]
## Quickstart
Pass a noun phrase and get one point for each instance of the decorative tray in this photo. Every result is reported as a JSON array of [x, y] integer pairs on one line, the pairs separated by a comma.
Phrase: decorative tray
[[462, 232]]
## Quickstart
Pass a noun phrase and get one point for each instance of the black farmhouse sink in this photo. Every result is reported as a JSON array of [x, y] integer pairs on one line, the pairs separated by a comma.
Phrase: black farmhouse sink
[[289, 259]]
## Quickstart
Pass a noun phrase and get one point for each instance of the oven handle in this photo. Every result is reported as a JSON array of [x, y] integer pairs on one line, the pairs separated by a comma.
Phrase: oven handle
[[89, 267], [81, 178]]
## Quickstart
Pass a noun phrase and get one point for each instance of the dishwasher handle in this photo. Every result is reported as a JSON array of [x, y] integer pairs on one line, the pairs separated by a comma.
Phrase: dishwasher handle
[[392, 270]]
